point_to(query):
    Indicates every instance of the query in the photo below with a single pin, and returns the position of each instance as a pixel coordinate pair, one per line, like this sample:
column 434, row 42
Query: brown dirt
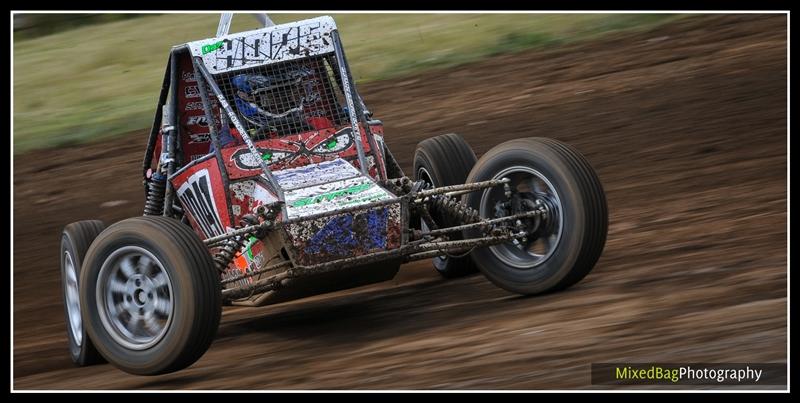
column 686, row 126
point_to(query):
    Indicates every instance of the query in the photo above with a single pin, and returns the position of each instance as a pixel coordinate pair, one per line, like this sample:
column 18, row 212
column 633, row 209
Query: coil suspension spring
column 224, row 256
column 227, row 251
column 156, row 187
column 452, row 209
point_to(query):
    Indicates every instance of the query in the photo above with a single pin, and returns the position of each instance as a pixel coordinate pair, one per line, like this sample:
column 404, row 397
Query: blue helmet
column 274, row 101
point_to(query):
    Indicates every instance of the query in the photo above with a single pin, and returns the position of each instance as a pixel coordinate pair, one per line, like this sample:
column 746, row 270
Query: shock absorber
column 154, row 203
column 454, row 210
column 227, row 251
column 157, row 184
column 224, row 256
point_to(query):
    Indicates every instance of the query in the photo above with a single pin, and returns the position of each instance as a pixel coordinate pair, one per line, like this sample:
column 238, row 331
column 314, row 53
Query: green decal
column 331, row 144
column 212, row 47
column 252, row 240
column 332, row 195
column 266, row 156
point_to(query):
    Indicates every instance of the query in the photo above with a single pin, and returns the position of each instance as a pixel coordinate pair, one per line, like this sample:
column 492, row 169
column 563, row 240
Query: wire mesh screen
column 286, row 98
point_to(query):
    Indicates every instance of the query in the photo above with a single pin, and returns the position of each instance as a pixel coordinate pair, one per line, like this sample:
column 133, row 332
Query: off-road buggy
column 267, row 179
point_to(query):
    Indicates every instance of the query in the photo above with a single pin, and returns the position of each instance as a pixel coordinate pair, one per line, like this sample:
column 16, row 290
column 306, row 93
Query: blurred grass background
column 102, row 79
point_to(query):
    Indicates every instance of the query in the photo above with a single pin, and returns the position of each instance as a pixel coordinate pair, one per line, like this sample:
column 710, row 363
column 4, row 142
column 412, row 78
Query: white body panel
column 274, row 44
column 326, row 187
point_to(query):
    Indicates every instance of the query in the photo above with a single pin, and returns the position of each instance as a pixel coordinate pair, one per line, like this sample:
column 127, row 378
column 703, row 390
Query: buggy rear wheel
column 75, row 241
column 151, row 295
column 566, row 242
column 443, row 161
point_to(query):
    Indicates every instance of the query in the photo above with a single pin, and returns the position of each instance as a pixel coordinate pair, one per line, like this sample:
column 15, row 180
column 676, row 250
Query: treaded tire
column 75, row 241
column 583, row 208
column 443, row 161
column 196, row 299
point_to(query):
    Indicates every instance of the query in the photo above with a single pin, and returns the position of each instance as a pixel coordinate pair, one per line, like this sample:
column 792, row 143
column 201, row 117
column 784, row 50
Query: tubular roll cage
column 170, row 130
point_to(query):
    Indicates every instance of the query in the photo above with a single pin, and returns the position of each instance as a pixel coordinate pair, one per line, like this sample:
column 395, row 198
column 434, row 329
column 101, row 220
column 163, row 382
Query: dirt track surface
column 686, row 126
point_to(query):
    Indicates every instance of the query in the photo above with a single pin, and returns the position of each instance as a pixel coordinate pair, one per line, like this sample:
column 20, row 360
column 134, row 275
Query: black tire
column 75, row 241
column 443, row 161
column 582, row 208
column 193, row 292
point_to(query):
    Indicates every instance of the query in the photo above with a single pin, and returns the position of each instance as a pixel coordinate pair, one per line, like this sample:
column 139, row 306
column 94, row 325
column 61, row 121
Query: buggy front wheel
column 151, row 295
column 563, row 245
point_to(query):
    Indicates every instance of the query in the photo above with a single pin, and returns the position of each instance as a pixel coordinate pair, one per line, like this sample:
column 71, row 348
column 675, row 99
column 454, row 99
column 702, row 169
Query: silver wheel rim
column 425, row 176
column 73, row 299
column 535, row 251
column 134, row 298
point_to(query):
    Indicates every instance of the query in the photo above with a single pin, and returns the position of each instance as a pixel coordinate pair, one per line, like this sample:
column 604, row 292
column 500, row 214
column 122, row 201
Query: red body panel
column 294, row 151
column 194, row 129
column 201, row 190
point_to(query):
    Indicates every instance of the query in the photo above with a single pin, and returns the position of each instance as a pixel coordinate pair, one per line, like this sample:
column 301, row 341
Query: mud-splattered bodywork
column 329, row 187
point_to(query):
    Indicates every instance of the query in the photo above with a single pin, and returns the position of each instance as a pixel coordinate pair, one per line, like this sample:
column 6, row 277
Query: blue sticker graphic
column 342, row 235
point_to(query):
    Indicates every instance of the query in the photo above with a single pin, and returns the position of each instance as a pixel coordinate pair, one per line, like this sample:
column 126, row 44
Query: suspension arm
column 479, row 224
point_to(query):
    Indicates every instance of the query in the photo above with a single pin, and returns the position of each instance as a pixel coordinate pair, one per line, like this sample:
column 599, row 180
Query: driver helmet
column 275, row 101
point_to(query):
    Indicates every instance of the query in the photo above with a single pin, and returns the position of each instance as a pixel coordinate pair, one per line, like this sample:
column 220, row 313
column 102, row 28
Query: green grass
column 102, row 80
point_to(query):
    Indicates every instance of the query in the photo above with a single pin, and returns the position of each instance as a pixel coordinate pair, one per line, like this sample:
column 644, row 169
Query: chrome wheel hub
column 134, row 298
column 530, row 184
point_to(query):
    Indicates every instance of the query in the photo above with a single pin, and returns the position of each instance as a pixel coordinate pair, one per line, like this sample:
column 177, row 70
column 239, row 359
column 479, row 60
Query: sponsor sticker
column 212, row 47
column 191, row 92
column 196, row 194
column 199, row 138
column 199, row 120
column 194, row 106
column 188, row 77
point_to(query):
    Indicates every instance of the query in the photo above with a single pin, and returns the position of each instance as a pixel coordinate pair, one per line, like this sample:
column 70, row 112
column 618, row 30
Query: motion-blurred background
column 683, row 116
column 81, row 76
